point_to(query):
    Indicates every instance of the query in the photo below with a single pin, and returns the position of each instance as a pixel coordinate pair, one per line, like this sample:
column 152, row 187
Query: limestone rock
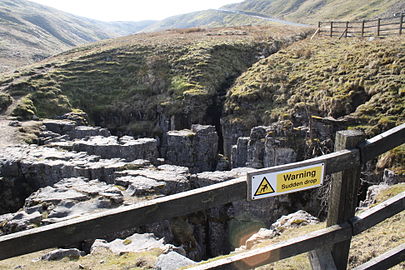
column 61, row 127
column 126, row 148
column 262, row 235
column 172, row 261
column 140, row 185
column 59, row 254
column 135, row 243
column 372, row 193
column 81, row 132
column 196, row 148
column 391, row 178
column 208, row 178
column 297, row 219
column 239, row 154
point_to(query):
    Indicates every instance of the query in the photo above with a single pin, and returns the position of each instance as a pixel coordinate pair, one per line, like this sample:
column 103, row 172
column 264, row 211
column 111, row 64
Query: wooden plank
column 388, row 24
column 262, row 256
column 321, row 259
column 316, row 32
column 334, row 162
column 343, row 196
column 382, row 143
column 386, row 260
column 100, row 224
column 379, row 213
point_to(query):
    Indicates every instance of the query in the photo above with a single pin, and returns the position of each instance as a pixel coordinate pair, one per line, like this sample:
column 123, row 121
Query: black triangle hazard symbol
column 264, row 188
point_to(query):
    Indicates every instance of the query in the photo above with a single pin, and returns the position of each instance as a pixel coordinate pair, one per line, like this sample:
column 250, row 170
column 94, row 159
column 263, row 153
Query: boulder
column 297, row 219
column 59, row 254
column 135, row 243
column 172, row 261
column 262, row 235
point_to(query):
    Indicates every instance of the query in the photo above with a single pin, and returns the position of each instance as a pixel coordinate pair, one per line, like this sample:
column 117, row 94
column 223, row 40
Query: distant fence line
column 380, row 27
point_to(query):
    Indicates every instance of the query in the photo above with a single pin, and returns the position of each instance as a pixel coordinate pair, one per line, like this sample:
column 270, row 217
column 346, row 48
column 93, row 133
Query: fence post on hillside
column 343, row 197
column 331, row 29
column 347, row 29
column 401, row 23
column 363, row 23
column 378, row 27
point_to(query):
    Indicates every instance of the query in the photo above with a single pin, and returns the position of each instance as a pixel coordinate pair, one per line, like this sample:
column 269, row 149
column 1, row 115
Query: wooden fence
column 380, row 27
column 351, row 152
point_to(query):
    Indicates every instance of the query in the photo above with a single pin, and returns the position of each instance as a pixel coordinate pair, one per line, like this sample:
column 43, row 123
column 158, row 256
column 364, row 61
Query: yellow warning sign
column 264, row 188
column 299, row 179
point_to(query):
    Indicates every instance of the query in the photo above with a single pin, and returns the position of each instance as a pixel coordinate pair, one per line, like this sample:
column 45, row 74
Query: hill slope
column 132, row 84
column 311, row 11
column 205, row 18
column 30, row 32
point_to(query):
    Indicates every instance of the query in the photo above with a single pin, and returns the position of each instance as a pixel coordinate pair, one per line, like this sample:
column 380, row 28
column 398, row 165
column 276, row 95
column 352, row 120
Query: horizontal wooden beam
column 379, row 213
column 334, row 162
column 382, row 143
column 115, row 220
column 386, row 260
column 265, row 255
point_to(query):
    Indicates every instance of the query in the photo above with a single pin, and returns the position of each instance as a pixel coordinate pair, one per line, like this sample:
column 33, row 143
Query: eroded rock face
column 126, row 147
column 196, row 148
column 266, row 147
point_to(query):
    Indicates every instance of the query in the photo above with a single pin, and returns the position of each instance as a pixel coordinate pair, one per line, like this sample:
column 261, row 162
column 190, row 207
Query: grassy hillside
column 361, row 82
column 30, row 32
column 135, row 84
column 205, row 18
column 311, row 11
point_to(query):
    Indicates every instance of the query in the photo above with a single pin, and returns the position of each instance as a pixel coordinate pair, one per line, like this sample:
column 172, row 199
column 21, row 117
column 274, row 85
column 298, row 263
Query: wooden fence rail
column 311, row 241
column 380, row 27
column 101, row 224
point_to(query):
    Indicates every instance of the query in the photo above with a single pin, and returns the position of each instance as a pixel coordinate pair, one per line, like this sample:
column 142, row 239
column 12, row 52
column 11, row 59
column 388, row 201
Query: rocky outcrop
column 293, row 220
column 126, row 147
column 172, row 261
column 267, row 146
column 196, row 148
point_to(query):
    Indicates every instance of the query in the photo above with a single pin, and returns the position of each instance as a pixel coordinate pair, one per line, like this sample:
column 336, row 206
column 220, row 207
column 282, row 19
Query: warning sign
column 264, row 188
column 284, row 179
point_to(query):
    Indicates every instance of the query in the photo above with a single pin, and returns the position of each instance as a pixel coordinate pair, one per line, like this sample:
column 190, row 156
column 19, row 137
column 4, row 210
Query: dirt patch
column 10, row 135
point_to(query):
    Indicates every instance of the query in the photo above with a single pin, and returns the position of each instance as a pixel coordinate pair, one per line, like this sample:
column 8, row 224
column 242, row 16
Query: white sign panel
column 274, row 182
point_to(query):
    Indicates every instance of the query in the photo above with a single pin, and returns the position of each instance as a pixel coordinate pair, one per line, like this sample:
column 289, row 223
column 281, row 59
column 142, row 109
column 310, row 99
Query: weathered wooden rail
column 314, row 240
column 101, row 224
column 380, row 27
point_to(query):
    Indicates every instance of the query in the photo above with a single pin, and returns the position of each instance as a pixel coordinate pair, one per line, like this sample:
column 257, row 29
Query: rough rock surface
column 372, row 193
column 59, row 254
column 266, row 147
column 196, row 148
column 134, row 243
column 297, row 219
column 126, row 147
column 172, row 261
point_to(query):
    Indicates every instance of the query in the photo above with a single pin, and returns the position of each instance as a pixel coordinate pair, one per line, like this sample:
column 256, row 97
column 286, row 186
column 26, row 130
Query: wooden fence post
column 347, row 28
column 331, row 29
column 362, row 28
column 378, row 27
column 401, row 23
column 343, row 198
column 319, row 27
